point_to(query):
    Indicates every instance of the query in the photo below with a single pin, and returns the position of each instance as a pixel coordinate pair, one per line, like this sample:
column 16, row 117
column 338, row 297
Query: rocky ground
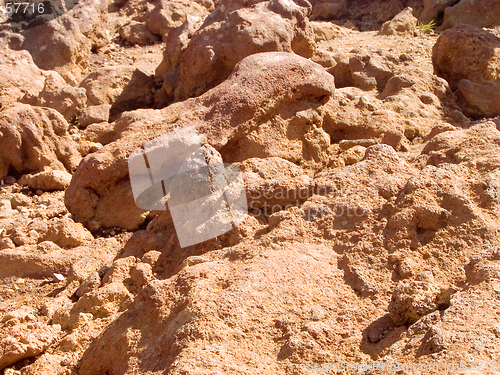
column 368, row 140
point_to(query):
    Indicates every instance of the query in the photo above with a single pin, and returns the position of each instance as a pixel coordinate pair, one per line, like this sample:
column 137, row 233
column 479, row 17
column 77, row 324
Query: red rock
column 137, row 33
column 481, row 13
column 236, row 30
column 467, row 52
column 284, row 81
column 34, row 138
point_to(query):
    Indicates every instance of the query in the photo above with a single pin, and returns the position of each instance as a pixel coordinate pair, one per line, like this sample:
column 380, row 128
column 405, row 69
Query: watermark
column 180, row 172
column 206, row 197
column 343, row 367
column 21, row 15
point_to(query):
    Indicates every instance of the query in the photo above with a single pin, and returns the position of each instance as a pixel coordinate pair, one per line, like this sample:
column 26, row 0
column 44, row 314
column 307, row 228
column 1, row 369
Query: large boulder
column 59, row 45
column 467, row 52
column 236, row 29
column 482, row 13
column 268, row 106
column 64, row 44
column 34, row 139
column 174, row 324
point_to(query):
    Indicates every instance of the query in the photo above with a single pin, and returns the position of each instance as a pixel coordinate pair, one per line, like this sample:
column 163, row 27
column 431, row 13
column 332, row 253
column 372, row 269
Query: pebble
column 317, row 314
column 10, row 180
column 39, row 192
column 66, row 362
column 59, row 277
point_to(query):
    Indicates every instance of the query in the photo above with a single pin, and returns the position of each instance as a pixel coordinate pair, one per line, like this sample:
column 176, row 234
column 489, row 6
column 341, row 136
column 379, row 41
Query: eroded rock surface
column 369, row 164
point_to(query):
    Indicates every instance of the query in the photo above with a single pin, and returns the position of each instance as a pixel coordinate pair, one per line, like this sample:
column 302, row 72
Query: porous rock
column 47, row 180
column 467, row 52
column 405, row 23
column 34, row 138
column 220, row 44
column 481, row 13
column 102, row 181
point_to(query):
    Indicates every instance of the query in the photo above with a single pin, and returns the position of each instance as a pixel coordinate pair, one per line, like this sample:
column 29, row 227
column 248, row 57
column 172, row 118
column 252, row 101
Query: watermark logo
column 206, row 197
column 21, row 15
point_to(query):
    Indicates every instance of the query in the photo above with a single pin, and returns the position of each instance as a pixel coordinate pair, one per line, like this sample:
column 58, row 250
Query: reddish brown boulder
column 34, row 138
column 482, row 13
column 22, row 81
column 290, row 86
column 59, row 45
column 237, row 29
column 467, row 52
column 479, row 99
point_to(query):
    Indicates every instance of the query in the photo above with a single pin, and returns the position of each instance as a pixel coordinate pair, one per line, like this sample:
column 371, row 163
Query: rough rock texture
column 25, row 340
column 19, row 76
column 137, row 33
column 59, row 45
column 67, row 100
column 22, row 80
column 433, row 8
column 227, row 113
column 467, row 52
column 34, row 138
column 168, row 15
column 374, row 202
column 93, row 114
column 47, row 180
column 404, row 23
column 221, row 43
column 124, row 88
column 64, row 44
column 482, row 13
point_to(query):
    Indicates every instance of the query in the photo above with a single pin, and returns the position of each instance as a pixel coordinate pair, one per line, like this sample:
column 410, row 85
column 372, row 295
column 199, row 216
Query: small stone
column 59, row 277
column 39, row 192
column 376, row 334
column 10, row 180
column 151, row 257
column 20, row 200
column 317, row 314
column 66, row 362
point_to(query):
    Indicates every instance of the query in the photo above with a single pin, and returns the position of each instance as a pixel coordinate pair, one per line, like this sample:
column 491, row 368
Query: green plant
column 426, row 26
